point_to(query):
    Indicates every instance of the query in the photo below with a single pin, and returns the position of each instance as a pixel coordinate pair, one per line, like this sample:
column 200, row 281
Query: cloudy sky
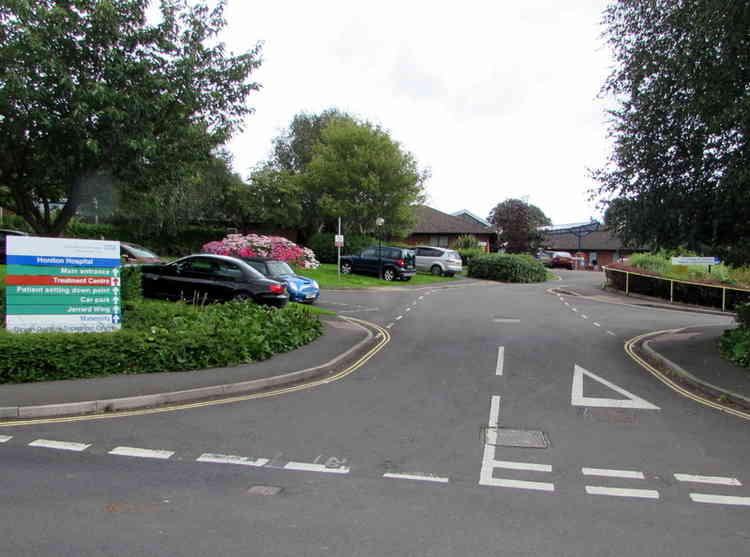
column 498, row 99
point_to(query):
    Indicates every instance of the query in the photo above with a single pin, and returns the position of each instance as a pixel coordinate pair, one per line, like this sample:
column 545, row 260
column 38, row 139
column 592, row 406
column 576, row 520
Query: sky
column 499, row 99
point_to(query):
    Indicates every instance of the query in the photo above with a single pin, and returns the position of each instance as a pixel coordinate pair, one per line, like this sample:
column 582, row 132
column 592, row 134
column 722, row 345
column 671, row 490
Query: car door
column 367, row 261
column 227, row 280
column 195, row 279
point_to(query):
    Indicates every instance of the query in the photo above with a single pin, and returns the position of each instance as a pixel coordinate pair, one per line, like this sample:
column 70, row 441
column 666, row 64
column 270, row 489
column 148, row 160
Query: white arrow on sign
column 631, row 400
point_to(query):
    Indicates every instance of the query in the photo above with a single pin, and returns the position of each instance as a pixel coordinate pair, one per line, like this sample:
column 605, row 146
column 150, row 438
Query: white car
column 438, row 261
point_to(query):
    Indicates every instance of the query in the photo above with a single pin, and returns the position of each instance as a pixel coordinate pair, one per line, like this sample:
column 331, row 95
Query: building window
column 439, row 241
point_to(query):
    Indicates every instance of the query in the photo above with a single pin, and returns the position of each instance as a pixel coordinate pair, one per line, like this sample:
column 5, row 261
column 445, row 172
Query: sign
column 62, row 284
column 695, row 261
column 338, row 241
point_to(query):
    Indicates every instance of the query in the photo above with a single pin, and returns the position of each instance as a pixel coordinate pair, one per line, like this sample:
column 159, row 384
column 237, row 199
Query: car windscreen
column 279, row 268
column 140, row 251
column 452, row 254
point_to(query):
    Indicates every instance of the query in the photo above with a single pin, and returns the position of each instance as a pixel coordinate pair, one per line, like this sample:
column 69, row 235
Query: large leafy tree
column 92, row 95
column 680, row 167
column 518, row 225
column 332, row 165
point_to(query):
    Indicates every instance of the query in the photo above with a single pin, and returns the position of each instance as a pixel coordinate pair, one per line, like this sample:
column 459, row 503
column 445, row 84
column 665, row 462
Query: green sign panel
column 62, row 310
column 36, row 270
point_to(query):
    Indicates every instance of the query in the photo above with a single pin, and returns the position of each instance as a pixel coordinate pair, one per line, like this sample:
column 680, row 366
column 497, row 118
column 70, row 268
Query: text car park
column 213, row 278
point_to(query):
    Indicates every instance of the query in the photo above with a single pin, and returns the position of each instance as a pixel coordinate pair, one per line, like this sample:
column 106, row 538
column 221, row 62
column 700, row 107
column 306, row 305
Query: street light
column 379, row 222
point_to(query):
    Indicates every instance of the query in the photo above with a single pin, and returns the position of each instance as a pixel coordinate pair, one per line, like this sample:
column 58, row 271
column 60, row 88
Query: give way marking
column 630, row 400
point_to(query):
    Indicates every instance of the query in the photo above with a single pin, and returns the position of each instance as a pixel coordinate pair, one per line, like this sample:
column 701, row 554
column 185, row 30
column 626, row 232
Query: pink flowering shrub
column 255, row 245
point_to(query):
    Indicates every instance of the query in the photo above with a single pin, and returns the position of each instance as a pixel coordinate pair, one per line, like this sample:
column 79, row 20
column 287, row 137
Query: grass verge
column 327, row 277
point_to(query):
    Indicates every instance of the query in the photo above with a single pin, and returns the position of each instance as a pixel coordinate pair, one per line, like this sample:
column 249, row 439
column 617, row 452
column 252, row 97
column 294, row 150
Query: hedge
column 322, row 244
column 734, row 345
column 507, row 268
column 159, row 336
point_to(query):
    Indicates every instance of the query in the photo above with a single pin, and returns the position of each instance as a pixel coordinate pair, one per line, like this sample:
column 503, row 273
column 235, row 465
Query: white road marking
column 399, row 317
column 308, row 467
column 414, row 303
column 489, row 463
column 577, row 398
column 420, row 298
column 519, row 484
column 620, row 492
column 407, row 309
column 505, row 320
column 5, row 438
column 389, row 325
column 585, row 316
column 574, row 309
column 61, row 445
column 512, row 465
column 500, row 360
column 232, row 459
column 611, row 333
column 720, row 499
column 567, row 304
column 141, row 453
column 418, row 477
column 596, row 324
column 718, row 480
column 633, row 474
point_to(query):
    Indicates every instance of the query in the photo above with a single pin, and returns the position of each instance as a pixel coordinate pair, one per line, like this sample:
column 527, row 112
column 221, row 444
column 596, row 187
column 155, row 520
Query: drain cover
column 264, row 490
column 527, row 438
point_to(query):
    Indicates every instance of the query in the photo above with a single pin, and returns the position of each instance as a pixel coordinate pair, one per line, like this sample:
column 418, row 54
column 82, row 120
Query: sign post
column 338, row 242
column 62, row 284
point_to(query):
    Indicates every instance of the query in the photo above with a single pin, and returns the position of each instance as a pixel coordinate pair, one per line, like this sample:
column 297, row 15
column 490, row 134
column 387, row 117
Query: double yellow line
column 383, row 337
column 671, row 384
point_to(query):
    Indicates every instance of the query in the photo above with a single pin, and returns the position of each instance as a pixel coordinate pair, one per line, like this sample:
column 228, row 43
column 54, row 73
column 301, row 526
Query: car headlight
column 315, row 284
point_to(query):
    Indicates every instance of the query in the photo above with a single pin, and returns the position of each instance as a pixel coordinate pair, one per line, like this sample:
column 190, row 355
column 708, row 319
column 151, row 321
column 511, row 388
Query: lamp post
column 379, row 222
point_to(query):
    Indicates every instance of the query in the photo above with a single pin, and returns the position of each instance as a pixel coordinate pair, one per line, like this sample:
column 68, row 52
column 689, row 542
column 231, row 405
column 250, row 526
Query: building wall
column 444, row 240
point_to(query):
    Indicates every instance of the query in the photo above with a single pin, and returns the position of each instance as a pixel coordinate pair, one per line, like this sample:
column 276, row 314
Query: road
column 416, row 453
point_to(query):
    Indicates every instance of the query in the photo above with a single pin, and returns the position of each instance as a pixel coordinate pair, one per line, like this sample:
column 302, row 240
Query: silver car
column 438, row 261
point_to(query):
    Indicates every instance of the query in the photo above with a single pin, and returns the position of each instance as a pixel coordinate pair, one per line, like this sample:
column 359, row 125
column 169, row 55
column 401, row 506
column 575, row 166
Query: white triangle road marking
column 630, row 401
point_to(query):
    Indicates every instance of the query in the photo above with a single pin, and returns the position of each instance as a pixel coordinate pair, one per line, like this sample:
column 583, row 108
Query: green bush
column 159, row 336
column 743, row 315
column 130, row 280
column 507, row 268
column 467, row 254
column 734, row 345
column 322, row 244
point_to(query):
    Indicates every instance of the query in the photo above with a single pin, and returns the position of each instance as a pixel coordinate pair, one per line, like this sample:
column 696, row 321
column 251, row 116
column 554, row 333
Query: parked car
column 301, row 289
column 396, row 263
column 4, row 233
column 545, row 258
column 562, row 259
column 438, row 261
column 133, row 253
column 213, row 277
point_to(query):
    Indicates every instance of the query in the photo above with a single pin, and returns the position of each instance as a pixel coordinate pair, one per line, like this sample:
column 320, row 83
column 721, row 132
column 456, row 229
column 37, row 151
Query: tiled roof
column 603, row 239
column 432, row 221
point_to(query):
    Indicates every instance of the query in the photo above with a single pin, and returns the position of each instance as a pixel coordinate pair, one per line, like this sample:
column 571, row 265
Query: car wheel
column 389, row 274
column 242, row 297
column 346, row 268
column 436, row 270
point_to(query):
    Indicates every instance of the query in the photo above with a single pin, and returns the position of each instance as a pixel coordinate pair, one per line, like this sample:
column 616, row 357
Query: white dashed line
column 619, row 492
column 308, row 467
column 611, row 333
column 399, row 317
column 389, row 325
column 574, row 309
column 420, row 298
column 5, row 438
column 585, row 316
column 717, row 480
column 141, row 453
column 500, row 360
column 596, row 324
column 408, row 309
column 60, row 445
column 567, row 304
column 633, row 474
column 231, row 459
column 720, row 499
column 418, row 477
column 505, row 320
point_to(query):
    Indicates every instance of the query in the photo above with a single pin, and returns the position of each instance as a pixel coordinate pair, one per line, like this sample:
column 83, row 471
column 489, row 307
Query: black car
column 395, row 263
column 4, row 233
column 213, row 277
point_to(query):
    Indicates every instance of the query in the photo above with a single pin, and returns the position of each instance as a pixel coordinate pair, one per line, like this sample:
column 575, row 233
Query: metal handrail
column 679, row 281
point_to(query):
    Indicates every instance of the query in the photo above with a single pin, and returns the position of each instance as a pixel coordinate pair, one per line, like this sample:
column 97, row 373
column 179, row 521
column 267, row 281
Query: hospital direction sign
column 62, row 284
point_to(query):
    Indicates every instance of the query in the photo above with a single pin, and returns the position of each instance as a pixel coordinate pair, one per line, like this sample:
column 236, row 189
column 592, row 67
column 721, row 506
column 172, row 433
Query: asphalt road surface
column 500, row 420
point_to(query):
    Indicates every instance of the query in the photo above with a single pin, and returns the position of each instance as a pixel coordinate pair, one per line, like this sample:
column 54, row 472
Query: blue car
column 300, row 289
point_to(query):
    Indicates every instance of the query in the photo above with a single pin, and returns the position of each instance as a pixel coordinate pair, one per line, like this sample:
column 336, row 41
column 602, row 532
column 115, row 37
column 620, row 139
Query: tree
column 332, row 165
column 518, row 225
column 680, row 164
column 92, row 95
